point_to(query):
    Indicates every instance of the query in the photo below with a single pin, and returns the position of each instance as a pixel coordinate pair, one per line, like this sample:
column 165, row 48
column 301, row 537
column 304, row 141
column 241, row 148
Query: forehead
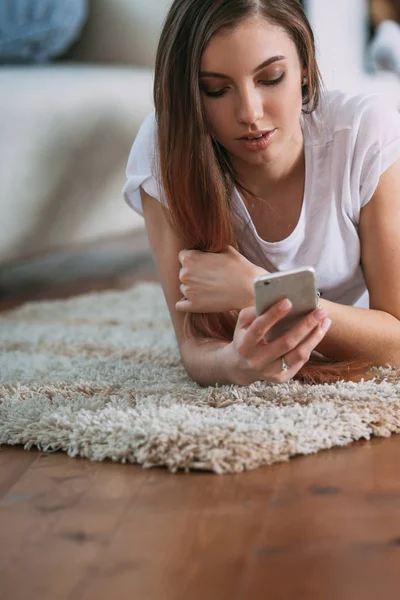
column 248, row 44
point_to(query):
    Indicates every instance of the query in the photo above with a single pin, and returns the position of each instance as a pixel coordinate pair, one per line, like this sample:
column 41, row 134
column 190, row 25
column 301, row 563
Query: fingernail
column 285, row 305
column 320, row 314
column 326, row 324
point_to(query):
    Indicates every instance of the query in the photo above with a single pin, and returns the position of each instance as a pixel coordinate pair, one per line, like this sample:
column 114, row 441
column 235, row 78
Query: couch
column 66, row 131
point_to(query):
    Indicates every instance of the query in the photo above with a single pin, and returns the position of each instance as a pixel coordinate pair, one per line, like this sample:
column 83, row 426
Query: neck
column 266, row 179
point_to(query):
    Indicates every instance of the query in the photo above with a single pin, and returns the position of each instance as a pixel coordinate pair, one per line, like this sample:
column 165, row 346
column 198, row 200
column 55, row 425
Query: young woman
column 246, row 167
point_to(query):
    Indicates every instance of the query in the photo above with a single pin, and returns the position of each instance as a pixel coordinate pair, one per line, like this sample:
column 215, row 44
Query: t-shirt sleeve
column 141, row 170
column 378, row 143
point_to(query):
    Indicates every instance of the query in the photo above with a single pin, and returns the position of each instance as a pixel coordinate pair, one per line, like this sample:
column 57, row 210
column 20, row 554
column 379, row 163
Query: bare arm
column 361, row 333
column 209, row 362
column 205, row 362
column 373, row 333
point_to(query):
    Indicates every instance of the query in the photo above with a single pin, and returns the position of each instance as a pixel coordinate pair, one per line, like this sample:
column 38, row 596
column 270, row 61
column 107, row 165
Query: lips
column 255, row 134
column 257, row 144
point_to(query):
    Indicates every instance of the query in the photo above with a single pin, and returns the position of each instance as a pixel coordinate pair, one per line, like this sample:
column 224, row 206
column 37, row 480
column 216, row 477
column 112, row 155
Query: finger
column 184, row 306
column 246, row 316
column 183, row 290
column 297, row 334
column 185, row 254
column 261, row 325
column 296, row 358
column 182, row 255
column 301, row 354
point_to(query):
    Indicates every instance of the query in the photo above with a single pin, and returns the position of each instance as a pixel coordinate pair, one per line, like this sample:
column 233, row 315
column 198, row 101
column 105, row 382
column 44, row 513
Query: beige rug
column 99, row 376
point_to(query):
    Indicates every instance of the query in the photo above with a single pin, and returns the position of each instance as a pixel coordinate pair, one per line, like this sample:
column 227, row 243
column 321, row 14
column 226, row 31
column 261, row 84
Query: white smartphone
column 298, row 285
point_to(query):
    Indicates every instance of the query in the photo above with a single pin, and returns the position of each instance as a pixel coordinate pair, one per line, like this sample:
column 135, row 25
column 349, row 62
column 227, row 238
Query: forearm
column 361, row 333
column 207, row 362
column 356, row 333
column 210, row 362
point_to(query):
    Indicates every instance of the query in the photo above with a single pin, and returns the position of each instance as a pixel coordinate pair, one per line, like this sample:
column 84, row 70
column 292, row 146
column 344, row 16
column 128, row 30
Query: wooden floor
column 324, row 527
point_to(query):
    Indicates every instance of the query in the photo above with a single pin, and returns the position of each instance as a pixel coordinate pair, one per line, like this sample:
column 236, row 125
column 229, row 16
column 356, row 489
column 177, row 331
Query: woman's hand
column 216, row 282
column 253, row 359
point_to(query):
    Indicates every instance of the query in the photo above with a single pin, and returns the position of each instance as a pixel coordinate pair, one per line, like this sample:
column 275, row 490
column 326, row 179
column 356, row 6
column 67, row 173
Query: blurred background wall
column 69, row 113
column 358, row 44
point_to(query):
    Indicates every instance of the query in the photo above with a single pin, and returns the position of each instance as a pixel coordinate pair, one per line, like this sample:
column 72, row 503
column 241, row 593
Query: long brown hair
column 194, row 169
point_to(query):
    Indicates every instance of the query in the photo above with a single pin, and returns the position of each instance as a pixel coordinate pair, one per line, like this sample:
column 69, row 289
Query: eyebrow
column 262, row 66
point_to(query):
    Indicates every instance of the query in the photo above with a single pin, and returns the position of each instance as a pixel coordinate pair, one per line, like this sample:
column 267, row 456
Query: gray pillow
column 35, row 31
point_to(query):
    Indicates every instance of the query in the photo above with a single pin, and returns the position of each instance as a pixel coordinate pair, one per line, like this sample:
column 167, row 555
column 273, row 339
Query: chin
column 260, row 158
column 252, row 158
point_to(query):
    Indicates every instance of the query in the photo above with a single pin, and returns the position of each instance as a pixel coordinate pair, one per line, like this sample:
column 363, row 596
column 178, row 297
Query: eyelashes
column 268, row 83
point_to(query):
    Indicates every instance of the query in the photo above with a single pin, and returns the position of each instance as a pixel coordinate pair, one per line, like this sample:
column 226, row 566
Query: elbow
column 390, row 354
column 187, row 351
column 205, row 361
column 392, row 350
column 393, row 359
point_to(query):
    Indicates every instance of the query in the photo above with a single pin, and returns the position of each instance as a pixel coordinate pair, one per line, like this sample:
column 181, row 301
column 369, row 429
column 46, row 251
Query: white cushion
column 122, row 31
column 66, row 132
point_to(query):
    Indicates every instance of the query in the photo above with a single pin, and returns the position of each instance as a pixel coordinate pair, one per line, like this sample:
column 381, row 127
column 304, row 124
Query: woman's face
column 250, row 99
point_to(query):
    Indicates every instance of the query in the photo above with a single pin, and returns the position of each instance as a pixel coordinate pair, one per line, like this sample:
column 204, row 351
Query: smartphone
column 298, row 285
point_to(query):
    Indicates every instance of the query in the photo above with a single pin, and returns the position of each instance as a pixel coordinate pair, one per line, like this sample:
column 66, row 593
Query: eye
column 219, row 93
column 271, row 82
column 214, row 94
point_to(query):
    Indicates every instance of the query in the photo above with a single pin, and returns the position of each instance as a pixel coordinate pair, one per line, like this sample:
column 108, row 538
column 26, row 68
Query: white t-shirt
column 349, row 142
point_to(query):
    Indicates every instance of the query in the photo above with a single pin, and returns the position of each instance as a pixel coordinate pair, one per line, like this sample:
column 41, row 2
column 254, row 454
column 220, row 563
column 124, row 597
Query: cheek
column 289, row 107
column 218, row 118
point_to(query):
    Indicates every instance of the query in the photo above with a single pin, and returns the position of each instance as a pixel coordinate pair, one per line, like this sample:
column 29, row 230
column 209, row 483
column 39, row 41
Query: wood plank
column 165, row 546
column 334, row 528
column 324, row 526
column 114, row 282
column 68, row 509
column 14, row 461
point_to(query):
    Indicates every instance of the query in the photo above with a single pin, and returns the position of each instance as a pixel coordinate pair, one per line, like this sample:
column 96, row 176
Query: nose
column 250, row 107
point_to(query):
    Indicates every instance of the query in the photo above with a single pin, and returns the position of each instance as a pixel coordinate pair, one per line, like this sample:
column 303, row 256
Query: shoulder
column 142, row 169
column 342, row 107
column 367, row 116
column 150, row 122
column 147, row 130
column 144, row 154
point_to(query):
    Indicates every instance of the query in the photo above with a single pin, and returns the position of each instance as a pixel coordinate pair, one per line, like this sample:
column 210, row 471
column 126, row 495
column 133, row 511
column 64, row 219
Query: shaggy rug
column 99, row 376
